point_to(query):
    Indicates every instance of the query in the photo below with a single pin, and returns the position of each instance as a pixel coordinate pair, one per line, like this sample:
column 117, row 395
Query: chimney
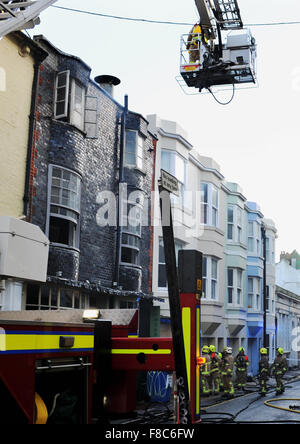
column 107, row 83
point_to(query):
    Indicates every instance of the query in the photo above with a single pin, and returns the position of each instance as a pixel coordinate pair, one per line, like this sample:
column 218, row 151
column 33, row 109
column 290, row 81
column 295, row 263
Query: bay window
column 254, row 293
column 131, row 219
column 209, row 204
column 254, row 238
column 162, row 273
column 63, row 207
column 235, row 286
column 175, row 165
column 210, row 278
column 134, row 149
column 234, row 223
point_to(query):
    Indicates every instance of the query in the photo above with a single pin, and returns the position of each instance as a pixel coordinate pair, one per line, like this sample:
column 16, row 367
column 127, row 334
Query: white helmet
column 229, row 350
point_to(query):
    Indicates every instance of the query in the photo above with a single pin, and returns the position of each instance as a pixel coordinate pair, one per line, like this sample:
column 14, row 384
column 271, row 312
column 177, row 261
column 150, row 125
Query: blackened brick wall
column 97, row 162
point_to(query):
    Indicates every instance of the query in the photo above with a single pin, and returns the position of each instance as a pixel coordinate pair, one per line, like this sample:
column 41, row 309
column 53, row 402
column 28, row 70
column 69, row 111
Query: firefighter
column 241, row 363
column 226, row 367
column 205, row 371
column 264, row 371
column 195, row 39
column 279, row 368
column 214, row 379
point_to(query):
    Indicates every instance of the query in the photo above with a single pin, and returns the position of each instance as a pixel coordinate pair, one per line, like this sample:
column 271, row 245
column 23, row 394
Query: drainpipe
column 263, row 233
column 34, row 93
column 121, row 181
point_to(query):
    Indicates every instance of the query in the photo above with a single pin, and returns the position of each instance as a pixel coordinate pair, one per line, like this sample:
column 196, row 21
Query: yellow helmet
column 205, row 349
column 263, row 351
column 280, row 350
column 212, row 348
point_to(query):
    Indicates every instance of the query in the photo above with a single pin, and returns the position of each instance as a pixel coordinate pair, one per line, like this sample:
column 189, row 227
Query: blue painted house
column 254, row 284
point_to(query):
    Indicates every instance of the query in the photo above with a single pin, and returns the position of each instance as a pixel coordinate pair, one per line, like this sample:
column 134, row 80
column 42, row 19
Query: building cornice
column 175, row 136
column 282, row 291
column 233, row 193
column 205, row 168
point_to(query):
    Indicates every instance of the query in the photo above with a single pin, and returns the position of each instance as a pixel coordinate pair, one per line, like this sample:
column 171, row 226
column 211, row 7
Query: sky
column 255, row 139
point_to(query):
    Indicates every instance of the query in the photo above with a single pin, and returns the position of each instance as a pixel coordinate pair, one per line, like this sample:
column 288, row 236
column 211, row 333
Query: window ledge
column 213, row 228
column 66, row 247
column 70, row 126
column 206, row 301
column 236, row 244
column 136, row 169
column 125, row 264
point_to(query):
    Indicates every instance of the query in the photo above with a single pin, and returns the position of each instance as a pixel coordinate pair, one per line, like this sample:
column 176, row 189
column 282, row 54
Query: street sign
column 169, row 183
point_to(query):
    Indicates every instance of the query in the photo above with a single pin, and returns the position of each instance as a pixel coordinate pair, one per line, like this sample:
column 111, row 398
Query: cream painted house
column 199, row 223
column 18, row 57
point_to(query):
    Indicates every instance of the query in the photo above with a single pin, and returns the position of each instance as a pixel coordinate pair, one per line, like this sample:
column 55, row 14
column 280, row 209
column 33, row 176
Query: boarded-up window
column 91, row 117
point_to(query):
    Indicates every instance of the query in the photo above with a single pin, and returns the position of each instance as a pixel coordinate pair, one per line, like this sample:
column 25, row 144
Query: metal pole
column 263, row 233
column 175, row 309
column 120, row 182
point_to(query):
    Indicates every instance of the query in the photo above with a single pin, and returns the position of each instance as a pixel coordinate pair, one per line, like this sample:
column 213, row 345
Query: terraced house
column 89, row 149
column 214, row 217
column 20, row 58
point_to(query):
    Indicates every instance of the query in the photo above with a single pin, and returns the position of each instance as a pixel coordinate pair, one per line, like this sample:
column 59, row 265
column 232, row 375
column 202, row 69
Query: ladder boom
column 16, row 15
column 228, row 14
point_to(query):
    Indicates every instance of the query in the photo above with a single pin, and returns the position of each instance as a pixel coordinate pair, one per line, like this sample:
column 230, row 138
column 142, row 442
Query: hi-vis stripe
column 197, row 366
column 136, row 351
column 186, row 326
column 15, row 342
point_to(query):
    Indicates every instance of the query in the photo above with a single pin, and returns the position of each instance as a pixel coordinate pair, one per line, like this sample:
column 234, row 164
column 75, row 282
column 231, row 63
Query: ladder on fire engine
column 20, row 14
column 228, row 14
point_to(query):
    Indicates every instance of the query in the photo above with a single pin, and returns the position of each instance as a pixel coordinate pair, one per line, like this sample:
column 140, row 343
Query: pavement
column 245, row 407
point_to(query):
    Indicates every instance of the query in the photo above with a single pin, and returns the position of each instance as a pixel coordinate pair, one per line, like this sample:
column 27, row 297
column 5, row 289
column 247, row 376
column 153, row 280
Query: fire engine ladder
column 228, row 14
column 20, row 14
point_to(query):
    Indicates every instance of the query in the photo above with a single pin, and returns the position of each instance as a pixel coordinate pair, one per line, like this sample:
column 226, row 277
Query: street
column 251, row 408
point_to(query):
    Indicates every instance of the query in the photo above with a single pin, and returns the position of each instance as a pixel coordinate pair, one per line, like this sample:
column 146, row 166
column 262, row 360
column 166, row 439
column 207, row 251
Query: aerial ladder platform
column 223, row 54
column 20, row 14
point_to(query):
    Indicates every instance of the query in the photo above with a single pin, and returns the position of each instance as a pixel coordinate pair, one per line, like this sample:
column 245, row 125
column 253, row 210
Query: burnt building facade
column 91, row 180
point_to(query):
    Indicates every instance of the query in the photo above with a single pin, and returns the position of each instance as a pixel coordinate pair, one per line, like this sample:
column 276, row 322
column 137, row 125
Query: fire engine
column 75, row 367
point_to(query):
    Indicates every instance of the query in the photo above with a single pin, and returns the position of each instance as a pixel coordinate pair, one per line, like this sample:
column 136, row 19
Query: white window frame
column 69, row 100
column 73, row 213
column 73, row 111
column 255, row 294
column 230, row 286
column 239, row 224
column 236, row 224
column 270, row 250
column 230, row 223
column 210, row 282
column 131, row 220
column 236, row 289
column 211, row 209
column 66, row 97
column 178, row 246
column 138, row 153
column 255, row 236
column 172, row 169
